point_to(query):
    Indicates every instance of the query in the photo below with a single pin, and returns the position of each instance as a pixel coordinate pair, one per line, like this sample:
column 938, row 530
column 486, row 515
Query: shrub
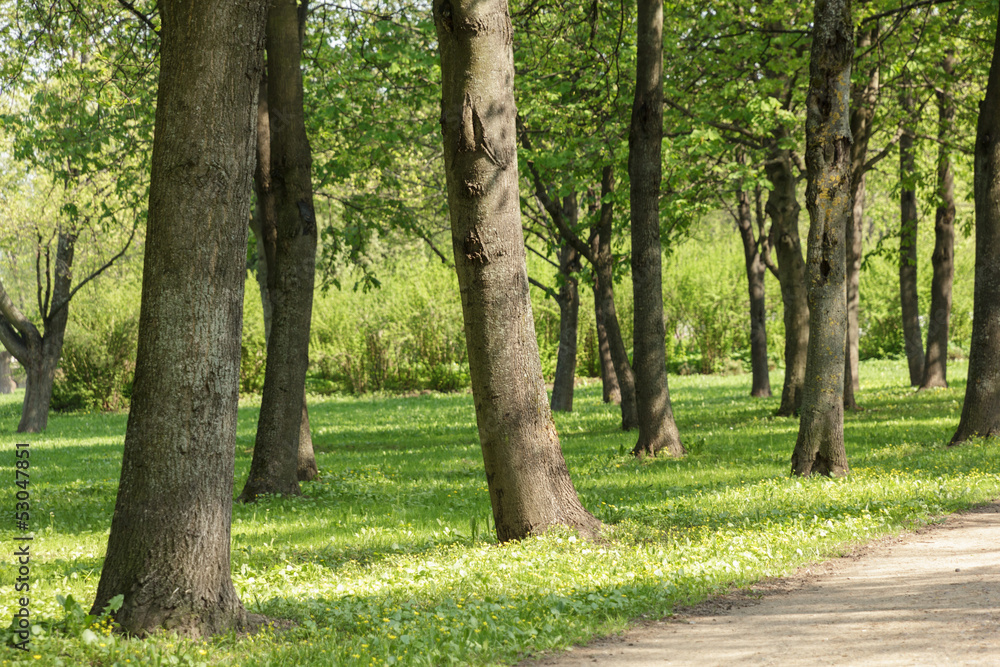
column 403, row 336
column 98, row 364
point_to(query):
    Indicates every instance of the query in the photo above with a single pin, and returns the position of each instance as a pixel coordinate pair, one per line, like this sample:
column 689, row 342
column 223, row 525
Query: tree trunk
column 529, row 483
column 783, row 208
column 38, row 392
column 290, row 252
column 569, row 308
column 611, row 392
column 168, row 551
column 605, row 293
column 42, row 363
column 264, row 210
column 913, row 341
column 306, row 469
column 756, row 270
column 7, row 384
column 981, row 410
column 863, row 103
column 657, row 429
column 820, row 444
column 943, row 259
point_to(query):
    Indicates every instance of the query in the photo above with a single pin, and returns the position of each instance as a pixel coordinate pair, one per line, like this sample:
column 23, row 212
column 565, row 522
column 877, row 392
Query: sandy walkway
column 926, row 598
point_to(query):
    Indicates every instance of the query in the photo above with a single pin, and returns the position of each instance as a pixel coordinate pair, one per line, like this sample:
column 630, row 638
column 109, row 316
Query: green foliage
column 97, row 368
column 253, row 344
column 388, row 558
column 406, row 335
column 98, row 358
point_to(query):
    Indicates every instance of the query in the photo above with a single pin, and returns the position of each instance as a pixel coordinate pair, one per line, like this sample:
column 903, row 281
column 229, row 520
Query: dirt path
column 926, row 598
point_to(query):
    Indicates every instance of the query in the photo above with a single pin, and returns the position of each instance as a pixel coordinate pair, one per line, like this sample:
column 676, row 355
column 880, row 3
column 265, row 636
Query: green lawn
column 389, row 558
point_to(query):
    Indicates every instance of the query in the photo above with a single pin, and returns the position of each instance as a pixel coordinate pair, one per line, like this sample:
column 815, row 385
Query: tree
column 943, row 259
column 820, row 444
column 754, row 259
column 289, row 250
column 864, row 97
column 264, row 215
column 529, row 483
column 39, row 351
column 84, row 140
column 910, row 307
column 981, row 409
column 168, row 551
column 657, row 429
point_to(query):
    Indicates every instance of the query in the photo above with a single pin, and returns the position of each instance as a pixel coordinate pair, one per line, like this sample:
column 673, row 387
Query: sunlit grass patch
column 389, row 557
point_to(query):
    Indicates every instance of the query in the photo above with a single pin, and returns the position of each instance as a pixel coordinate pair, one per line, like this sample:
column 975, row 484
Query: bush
column 406, row 335
column 97, row 366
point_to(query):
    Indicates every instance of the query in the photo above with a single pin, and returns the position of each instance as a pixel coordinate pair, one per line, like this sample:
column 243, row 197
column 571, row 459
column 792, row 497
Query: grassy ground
column 389, row 558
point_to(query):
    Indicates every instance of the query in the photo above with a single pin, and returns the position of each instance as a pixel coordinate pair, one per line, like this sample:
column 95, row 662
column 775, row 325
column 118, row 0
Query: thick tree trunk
column 913, row 341
column 863, row 103
column 657, row 429
column 529, row 483
column 783, row 208
column 610, row 391
column 756, row 270
column 290, row 252
column 168, row 551
column 820, row 444
column 7, row 384
column 569, row 310
column 981, row 410
column 943, row 259
column 605, row 294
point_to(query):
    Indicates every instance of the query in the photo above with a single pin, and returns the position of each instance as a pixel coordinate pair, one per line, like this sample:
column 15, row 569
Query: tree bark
column 909, row 304
column 756, row 270
column 604, row 286
column 610, row 391
column 529, row 483
column 39, row 352
column 264, row 211
column 863, row 103
column 168, row 551
column 943, row 259
column 290, row 253
column 783, row 208
column 820, row 444
column 569, row 309
column 7, row 384
column 657, row 429
column 981, row 410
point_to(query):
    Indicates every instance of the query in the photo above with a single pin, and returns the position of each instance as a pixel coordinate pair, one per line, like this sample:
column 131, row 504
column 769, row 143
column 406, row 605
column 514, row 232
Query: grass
column 389, row 558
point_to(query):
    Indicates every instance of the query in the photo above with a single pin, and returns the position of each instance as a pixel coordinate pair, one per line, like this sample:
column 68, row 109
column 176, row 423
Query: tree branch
column 541, row 255
column 139, row 15
column 62, row 304
column 901, row 10
column 548, row 290
column 17, row 333
column 554, row 212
